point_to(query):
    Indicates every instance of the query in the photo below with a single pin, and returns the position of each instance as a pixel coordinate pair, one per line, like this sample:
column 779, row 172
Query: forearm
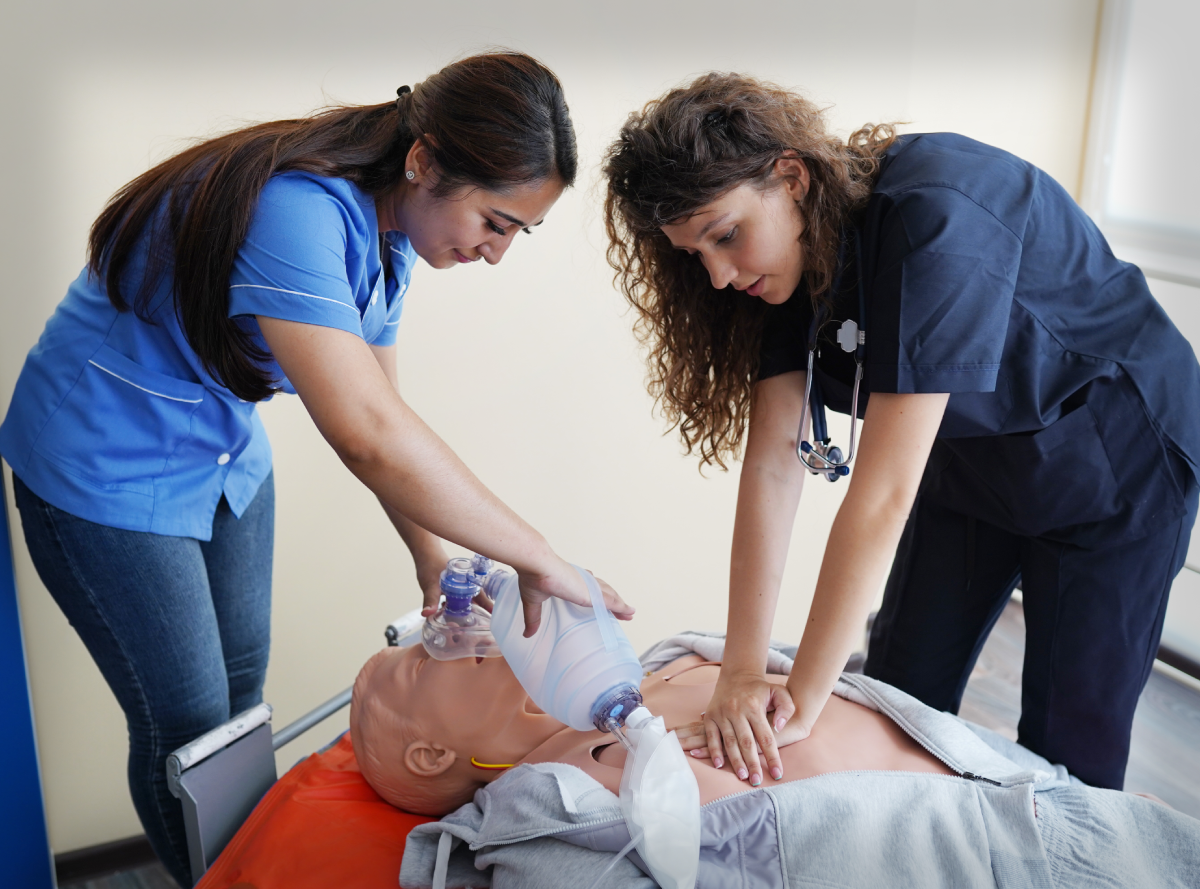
column 861, row 544
column 898, row 432
column 428, row 553
column 766, row 512
column 349, row 390
column 418, row 477
column 769, row 492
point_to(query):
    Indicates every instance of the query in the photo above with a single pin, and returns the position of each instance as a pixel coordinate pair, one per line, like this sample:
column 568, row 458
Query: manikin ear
column 427, row 760
column 793, row 175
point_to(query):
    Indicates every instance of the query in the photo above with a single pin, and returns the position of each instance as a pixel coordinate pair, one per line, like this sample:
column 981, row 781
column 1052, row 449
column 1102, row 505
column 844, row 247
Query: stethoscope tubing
column 817, row 455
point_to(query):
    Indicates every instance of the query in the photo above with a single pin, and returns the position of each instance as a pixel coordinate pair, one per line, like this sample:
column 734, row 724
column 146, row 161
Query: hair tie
column 401, row 92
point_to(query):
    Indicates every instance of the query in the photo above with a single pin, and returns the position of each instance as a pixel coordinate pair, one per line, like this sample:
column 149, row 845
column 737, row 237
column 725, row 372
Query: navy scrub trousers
column 1093, row 618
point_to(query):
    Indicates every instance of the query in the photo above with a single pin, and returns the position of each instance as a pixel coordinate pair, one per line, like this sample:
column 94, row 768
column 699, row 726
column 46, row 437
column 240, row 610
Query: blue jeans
column 179, row 628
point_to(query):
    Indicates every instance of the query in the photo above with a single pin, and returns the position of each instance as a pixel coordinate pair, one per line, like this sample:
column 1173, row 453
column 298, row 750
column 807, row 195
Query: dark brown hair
column 490, row 121
column 678, row 154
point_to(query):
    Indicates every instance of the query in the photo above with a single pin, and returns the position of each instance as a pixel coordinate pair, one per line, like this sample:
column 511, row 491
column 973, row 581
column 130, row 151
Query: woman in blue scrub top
column 1028, row 409
column 275, row 258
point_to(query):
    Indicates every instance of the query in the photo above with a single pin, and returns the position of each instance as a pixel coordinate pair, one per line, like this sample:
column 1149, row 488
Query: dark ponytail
column 493, row 121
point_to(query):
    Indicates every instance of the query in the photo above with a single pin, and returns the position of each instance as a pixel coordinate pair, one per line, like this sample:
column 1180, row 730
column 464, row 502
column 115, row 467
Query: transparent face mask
column 461, row 628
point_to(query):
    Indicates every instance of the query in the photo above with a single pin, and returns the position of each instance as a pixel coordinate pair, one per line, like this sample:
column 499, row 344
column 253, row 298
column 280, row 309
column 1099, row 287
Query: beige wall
column 528, row 369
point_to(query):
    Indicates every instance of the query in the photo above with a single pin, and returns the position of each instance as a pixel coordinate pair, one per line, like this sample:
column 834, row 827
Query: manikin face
column 461, row 703
column 417, row 722
column 467, row 226
column 750, row 236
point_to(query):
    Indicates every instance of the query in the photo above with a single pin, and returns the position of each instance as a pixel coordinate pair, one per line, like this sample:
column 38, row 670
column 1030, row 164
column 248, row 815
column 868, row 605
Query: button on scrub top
column 116, row 421
column 1068, row 383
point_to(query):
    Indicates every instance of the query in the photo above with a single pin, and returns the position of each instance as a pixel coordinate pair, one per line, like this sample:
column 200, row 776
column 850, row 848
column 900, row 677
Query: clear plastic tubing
column 579, row 666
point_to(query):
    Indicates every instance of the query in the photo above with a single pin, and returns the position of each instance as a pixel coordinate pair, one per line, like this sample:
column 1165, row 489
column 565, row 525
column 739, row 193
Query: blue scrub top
column 1069, row 384
column 115, row 420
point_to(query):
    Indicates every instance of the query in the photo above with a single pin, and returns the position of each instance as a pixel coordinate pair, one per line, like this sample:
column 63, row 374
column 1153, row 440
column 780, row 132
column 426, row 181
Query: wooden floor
column 1165, row 758
column 1165, row 754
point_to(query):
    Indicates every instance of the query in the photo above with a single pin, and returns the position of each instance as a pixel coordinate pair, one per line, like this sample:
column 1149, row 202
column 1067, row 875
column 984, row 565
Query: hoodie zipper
column 903, row 723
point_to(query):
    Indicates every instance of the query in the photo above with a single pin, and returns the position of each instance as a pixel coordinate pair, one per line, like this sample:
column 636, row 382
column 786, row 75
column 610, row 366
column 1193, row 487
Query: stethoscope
column 821, row 456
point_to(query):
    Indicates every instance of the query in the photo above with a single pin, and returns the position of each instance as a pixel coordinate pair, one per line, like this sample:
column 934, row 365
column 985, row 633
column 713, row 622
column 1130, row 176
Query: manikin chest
column 847, row 737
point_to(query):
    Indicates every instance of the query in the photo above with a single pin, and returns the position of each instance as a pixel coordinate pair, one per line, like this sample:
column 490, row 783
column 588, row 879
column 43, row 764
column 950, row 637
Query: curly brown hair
column 678, row 154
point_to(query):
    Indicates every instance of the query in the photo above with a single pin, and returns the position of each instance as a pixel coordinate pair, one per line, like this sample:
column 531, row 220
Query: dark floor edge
column 1179, row 661
column 106, row 859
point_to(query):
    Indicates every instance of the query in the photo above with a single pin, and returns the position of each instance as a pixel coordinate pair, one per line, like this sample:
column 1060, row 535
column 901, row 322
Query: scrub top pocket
column 120, row 423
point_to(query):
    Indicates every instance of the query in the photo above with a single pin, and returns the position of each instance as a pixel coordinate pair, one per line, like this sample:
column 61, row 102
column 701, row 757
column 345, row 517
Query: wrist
column 536, row 558
column 429, row 563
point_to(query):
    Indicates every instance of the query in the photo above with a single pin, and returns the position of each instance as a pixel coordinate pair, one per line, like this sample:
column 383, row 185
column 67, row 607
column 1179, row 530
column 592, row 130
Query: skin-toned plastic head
column 417, row 722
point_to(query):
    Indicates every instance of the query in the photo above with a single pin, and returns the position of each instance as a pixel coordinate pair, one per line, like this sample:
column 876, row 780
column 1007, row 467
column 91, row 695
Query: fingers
column 783, row 705
column 533, row 615
column 734, row 750
column 715, row 748
column 613, row 602
column 748, row 742
column 692, row 738
column 770, row 750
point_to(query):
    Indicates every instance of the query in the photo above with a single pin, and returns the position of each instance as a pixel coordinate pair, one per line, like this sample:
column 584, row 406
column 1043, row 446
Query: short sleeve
column 293, row 264
column 402, row 258
column 941, row 294
column 785, row 336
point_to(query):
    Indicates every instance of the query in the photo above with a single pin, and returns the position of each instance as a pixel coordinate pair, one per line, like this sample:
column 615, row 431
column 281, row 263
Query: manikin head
column 416, row 724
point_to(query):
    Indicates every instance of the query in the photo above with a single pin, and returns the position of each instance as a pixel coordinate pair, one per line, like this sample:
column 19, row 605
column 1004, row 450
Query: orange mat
column 320, row 826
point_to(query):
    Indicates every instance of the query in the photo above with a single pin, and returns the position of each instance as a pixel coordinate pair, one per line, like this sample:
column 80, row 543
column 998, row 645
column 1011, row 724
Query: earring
column 410, row 175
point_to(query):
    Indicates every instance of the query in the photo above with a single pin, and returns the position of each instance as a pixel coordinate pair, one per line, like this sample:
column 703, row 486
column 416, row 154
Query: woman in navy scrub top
column 275, row 258
column 1028, row 409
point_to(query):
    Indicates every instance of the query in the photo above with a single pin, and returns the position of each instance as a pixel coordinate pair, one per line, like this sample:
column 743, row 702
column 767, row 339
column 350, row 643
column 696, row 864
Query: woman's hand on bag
column 562, row 581
column 742, row 723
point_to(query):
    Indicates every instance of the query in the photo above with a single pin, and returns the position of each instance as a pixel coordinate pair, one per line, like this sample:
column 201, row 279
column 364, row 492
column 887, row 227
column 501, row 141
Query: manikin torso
column 847, row 737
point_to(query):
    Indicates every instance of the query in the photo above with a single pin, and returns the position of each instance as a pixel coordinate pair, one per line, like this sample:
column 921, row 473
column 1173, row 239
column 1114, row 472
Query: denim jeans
column 180, row 629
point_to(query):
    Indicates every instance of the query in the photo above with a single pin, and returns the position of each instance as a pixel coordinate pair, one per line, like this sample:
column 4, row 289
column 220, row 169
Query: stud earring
column 410, row 175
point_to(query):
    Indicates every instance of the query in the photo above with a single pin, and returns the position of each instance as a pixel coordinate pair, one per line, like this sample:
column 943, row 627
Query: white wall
column 93, row 93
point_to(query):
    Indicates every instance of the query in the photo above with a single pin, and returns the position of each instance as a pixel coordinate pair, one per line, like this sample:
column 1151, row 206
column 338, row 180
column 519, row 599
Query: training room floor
column 1165, row 759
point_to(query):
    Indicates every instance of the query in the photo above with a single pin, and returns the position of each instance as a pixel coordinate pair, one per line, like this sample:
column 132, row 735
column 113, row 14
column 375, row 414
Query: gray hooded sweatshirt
column 1007, row 818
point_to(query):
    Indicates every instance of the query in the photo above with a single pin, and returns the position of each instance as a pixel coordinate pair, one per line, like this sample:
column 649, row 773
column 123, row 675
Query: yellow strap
column 489, row 765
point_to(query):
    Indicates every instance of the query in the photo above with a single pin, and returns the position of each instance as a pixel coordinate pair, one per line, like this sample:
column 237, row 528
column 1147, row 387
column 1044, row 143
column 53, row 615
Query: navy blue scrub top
column 1068, row 383
column 115, row 420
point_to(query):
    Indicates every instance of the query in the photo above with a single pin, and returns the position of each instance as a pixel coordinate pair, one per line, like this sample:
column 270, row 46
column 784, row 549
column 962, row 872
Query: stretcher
column 319, row 825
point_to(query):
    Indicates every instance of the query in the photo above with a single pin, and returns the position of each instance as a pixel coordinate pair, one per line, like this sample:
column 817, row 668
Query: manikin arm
column 391, row 450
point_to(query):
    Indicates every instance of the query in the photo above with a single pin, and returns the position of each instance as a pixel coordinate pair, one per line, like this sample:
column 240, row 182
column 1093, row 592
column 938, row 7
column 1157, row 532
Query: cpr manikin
column 581, row 671
column 417, row 724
